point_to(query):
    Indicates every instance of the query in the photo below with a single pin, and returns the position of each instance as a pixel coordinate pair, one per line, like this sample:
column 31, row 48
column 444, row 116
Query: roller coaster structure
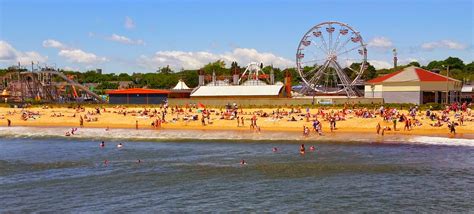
column 46, row 85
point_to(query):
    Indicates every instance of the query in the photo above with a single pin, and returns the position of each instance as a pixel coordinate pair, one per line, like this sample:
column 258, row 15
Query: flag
column 200, row 105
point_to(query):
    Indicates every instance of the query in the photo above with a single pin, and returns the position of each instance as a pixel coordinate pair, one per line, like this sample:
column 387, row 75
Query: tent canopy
column 181, row 85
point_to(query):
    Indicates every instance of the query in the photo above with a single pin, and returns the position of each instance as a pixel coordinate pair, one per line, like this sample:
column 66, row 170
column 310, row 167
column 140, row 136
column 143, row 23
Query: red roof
column 384, row 77
column 138, row 91
column 412, row 74
column 425, row 75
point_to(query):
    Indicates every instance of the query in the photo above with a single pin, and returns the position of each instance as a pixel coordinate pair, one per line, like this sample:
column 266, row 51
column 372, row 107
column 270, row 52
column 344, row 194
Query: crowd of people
column 311, row 119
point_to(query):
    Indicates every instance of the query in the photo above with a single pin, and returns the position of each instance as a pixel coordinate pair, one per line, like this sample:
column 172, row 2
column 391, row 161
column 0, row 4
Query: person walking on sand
column 136, row 124
column 81, row 122
column 452, row 128
column 9, row 122
column 394, row 124
column 238, row 121
column 378, row 128
column 407, row 125
column 242, row 121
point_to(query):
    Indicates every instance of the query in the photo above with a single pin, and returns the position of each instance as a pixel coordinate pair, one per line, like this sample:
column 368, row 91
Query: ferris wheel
column 325, row 55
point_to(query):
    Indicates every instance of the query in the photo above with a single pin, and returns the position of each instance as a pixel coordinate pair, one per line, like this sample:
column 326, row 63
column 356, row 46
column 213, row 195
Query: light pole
column 447, row 83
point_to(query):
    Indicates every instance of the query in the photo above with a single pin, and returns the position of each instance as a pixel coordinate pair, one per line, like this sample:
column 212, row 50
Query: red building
column 138, row 96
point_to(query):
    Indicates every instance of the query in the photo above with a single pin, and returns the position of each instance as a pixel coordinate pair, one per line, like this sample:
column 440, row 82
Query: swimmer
column 120, row 145
column 107, row 129
column 139, row 161
column 106, row 162
column 242, row 162
column 275, row 149
column 102, row 145
column 302, row 149
column 68, row 134
column 312, row 148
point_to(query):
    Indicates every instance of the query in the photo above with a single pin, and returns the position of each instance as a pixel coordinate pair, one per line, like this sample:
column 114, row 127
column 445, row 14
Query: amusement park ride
column 252, row 75
column 44, row 85
column 324, row 56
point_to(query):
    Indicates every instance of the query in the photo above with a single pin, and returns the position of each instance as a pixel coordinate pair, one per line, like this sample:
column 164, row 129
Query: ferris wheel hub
column 332, row 57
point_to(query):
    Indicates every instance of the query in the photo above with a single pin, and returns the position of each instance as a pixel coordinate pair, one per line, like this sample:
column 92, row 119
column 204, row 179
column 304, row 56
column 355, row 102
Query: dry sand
column 114, row 120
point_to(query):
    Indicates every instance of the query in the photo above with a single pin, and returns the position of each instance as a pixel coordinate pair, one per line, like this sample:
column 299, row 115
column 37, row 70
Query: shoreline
column 170, row 135
column 326, row 131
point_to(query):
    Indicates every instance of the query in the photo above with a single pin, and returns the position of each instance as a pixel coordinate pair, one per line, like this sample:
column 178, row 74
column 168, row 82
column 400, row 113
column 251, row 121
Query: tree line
column 165, row 77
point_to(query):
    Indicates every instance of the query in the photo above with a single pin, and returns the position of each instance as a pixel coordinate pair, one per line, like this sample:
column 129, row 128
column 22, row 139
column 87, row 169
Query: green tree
column 454, row 63
column 165, row 70
column 217, row 66
column 414, row 63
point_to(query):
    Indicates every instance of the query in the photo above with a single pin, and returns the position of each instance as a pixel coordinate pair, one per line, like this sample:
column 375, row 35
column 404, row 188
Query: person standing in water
column 302, row 149
column 102, row 145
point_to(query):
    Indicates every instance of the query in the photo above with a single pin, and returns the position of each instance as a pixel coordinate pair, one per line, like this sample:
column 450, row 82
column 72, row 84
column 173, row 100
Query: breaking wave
column 207, row 135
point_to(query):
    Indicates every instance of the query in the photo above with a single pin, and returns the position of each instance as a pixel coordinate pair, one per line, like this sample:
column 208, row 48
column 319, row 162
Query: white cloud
column 68, row 68
column 380, row 42
column 129, row 23
column 73, row 54
column 51, row 43
column 125, row 40
column 195, row 60
column 9, row 54
column 444, row 44
column 79, row 56
column 380, row 64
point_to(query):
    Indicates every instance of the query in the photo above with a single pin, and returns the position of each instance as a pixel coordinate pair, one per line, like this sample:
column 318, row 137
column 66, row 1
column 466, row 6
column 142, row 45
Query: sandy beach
column 286, row 120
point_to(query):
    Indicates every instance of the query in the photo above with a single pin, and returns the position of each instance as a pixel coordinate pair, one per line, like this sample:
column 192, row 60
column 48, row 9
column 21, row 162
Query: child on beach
column 305, row 131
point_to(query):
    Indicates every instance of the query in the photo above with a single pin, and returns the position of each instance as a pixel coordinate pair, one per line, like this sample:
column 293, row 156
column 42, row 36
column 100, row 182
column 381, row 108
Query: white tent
column 181, row 86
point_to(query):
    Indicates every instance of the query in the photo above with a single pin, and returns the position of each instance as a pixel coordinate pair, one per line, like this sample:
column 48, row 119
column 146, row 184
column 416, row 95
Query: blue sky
column 141, row 36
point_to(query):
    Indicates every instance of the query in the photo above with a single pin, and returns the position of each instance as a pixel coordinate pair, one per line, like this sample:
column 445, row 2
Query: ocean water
column 43, row 173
